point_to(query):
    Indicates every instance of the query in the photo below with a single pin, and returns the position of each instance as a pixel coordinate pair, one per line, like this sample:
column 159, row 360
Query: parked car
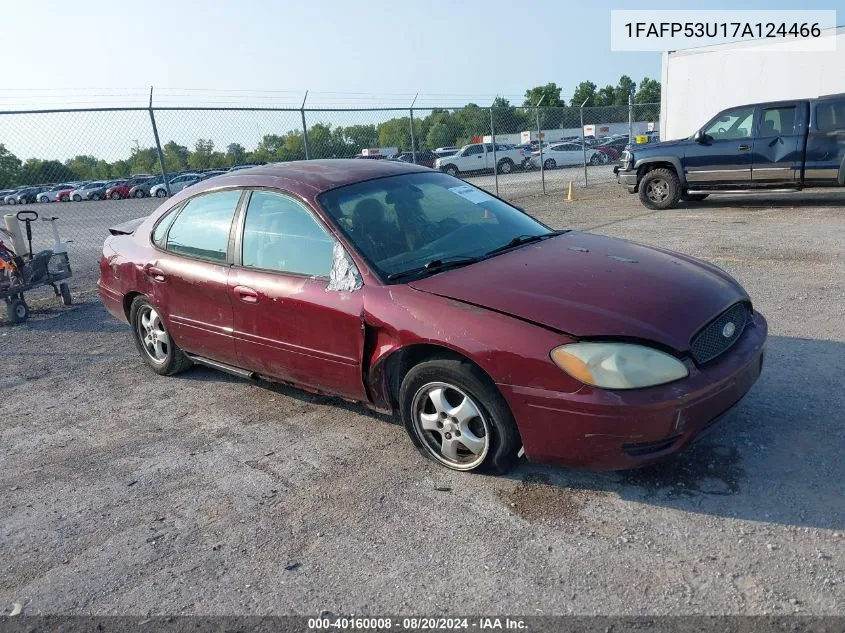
column 28, row 195
column 426, row 159
column 142, row 189
column 64, row 194
column 52, row 194
column 120, row 191
column 793, row 145
column 562, row 154
column 205, row 175
column 417, row 293
column 8, row 193
column 93, row 190
column 176, row 184
column 450, row 149
column 246, row 166
column 478, row 157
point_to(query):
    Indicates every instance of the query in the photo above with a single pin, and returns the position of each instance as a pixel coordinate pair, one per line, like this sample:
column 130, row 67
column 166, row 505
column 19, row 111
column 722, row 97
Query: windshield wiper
column 521, row 240
column 435, row 266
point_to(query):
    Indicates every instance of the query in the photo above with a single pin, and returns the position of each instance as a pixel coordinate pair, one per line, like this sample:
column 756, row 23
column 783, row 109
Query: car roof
column 322, row 175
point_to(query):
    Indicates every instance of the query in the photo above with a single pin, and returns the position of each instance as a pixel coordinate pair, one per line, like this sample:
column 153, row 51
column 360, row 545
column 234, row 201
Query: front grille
column 712, row 340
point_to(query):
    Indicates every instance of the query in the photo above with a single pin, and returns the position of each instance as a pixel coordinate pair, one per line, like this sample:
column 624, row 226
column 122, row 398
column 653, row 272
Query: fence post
column 630, row 120
column 304, row 127
column 540, row 144
column 411, row 123
column 495, row 158
column 584, row 142
column 158, row 145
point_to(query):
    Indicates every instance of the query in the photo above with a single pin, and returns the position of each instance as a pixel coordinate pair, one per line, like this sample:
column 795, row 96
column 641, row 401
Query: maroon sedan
column 417, row 293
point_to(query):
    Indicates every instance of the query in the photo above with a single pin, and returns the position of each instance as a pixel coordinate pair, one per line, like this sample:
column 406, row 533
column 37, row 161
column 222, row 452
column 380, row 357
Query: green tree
column 649, row 91
column 440, row 135
column 204, row 156
column 360, row 136
column 175, row 156
column 10, row 166
column 550, row 92
column 235, row 153
column 84, row 166
column 586, row 91
column 624, row 88
column 395, row 133
column 606, row 96
column 36, row 171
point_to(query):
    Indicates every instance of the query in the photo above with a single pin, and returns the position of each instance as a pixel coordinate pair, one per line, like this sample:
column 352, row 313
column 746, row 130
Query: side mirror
column 700, row 137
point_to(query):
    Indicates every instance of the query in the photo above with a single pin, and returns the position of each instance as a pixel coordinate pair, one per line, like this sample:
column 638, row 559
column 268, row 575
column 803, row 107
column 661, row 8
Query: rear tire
column 77, row 198
column 115, row 196
column 505, row 166
column 17, row 310
column 455, row 416
column 157, row 348
column 660, row 189
column 96, row 196
column 139, row 193
column 64, row 291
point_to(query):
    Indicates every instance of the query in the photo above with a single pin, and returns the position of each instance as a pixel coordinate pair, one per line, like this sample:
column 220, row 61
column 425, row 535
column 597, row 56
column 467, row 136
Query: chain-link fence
column 95, row 157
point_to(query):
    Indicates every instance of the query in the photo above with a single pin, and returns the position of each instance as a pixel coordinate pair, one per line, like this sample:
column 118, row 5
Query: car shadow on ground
column 815, row 199
column 776, row 457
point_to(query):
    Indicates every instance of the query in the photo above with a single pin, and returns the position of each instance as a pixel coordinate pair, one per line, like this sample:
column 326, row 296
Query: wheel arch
column 386, row 374
column 657, row 162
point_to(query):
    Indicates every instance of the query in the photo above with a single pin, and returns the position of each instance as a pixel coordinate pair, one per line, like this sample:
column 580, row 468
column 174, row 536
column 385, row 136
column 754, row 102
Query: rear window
column 830, row 115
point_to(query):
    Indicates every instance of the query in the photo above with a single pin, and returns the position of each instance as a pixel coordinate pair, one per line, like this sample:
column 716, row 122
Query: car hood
column 589, row 285
column 658, row 146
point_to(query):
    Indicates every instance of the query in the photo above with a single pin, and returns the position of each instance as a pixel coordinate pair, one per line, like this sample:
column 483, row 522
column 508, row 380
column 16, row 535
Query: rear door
column 189, row 274
column 724, row 155
column 287, row 324
column 778, row 153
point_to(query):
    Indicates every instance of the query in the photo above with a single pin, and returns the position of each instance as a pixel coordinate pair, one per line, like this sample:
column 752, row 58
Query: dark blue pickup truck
column 780, row 146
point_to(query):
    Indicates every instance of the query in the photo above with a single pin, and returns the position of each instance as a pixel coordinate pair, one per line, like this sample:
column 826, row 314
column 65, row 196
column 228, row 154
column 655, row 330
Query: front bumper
column 626, row 177
column 615, row 430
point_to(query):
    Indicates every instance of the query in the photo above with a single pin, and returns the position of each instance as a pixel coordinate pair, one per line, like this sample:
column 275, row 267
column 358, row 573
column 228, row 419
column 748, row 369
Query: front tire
column 139, row 193
column 455, row 416
column 64, row 292
column 153, row 341
column 549, row 163
column 161, row 193
column 660, row 189
column 115, row 196
column 77, row 198
column 96, row 196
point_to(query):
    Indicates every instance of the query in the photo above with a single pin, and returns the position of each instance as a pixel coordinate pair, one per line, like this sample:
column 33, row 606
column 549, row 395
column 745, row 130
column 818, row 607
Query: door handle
column 156, row 274
column 246, row 294
column 744, row 147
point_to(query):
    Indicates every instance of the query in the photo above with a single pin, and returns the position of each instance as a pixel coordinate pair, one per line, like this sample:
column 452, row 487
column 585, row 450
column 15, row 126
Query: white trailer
column 697, row 83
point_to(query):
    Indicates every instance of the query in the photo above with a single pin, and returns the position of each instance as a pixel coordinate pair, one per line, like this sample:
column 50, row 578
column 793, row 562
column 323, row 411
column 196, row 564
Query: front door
column 287, row 325
column 723, row 157
column 474, row 158
column 189, row 275
column 778, row 151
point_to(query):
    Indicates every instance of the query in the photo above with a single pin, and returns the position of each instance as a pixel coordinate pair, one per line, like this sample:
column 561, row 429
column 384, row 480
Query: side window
column 830, row 116
column 732, row 125
column 160, row 230
column 281, row 234
column 474, row 149
column 202, row 228
column 777, row 121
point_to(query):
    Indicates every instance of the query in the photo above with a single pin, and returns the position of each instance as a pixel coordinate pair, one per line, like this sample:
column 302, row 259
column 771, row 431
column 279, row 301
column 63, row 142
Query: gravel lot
column 125, row 492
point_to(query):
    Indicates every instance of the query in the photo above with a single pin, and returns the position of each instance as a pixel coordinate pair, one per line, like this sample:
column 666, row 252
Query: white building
column 697, row 83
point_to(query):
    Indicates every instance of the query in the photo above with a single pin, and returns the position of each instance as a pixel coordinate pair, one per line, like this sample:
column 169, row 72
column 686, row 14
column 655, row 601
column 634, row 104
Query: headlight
column 618, row 365
column 437, row 162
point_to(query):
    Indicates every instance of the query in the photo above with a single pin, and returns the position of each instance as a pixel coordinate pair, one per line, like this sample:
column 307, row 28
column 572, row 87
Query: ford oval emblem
column 729, row 329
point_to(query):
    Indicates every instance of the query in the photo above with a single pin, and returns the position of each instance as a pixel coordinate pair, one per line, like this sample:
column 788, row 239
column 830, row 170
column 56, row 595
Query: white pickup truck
column 479, row 157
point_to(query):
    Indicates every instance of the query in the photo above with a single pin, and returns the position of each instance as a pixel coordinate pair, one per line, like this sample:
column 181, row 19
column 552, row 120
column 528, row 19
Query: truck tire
column 505, row 166
column 451, row 170
column 660, row 189
column 694, row 197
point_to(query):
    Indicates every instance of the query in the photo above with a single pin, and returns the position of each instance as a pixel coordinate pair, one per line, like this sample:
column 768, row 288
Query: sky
column 349, row 53
column 345, row 52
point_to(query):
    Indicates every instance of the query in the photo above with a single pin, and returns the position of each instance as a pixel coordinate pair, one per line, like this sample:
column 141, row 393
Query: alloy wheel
column 657, row 190
column 450, row 425
column 153, row 336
